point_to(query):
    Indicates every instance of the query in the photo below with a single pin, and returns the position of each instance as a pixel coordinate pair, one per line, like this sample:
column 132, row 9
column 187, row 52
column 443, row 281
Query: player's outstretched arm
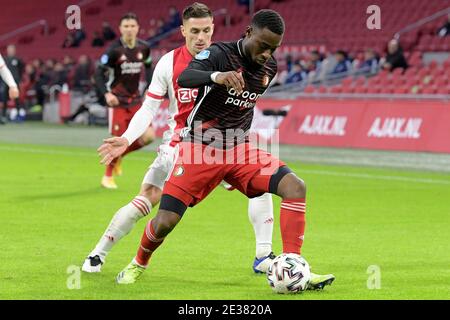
column 193, row 78
column 6, row 75
column 112, row 148
column 142, row 119
column 153, row 99
column 206, row 68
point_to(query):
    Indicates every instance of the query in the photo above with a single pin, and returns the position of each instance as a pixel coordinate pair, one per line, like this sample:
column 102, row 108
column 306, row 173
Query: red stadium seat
column 446, row 64
column 401, row 90
column 398, row 71
column 309, row 89
column 423, row 72
column 348, row 89
column 336, row 89
column 347, row 81
column 360, row 89
column 373, row 81
column 443, row 90
column 398, row 81
column 441, row 81
column 323, row 89
column 429, row 90
column 387, row 89
column 373, row 89
column 360, row 81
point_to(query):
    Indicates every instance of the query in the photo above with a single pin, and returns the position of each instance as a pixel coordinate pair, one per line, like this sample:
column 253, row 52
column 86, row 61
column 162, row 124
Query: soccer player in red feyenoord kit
column 215, row 147
column 117, row 78
column 197, row 29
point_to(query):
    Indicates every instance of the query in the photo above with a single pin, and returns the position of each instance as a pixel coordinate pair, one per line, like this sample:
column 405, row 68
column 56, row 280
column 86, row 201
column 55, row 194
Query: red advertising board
column 370, row 124
column 385, row 125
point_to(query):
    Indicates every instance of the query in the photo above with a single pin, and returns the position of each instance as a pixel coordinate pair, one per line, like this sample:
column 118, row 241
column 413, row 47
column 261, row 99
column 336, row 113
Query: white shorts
column 159, row 170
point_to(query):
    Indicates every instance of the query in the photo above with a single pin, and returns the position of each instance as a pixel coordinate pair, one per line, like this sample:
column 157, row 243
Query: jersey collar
column 240, row 48
column 125, row 45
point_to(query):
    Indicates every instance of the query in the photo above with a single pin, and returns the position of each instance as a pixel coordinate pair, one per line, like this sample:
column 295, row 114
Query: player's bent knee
column 148, row 136
column 291, row 187
column 151, row 192
column 164, row 222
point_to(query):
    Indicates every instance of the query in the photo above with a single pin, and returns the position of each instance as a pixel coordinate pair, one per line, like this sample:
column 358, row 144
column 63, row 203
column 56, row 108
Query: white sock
column 260, row 213
column 121, row 224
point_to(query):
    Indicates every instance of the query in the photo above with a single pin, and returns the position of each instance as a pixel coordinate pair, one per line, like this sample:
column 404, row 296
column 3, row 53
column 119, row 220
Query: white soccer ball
column 289, row 273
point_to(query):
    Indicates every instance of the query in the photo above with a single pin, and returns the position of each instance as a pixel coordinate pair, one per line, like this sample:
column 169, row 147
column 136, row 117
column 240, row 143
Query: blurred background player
column 7, row 77
column 197, row 29
column 224, row 71
column 16, row 68
column 122, row 64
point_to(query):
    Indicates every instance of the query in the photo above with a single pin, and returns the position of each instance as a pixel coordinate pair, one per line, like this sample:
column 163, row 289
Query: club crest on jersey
column 104, row 59
column 139, row 56
column 178, row 171
column 202, row 55
column 265, row 80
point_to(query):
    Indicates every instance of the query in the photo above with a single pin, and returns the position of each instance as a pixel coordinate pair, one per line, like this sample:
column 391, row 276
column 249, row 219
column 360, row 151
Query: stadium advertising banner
column 383, row 125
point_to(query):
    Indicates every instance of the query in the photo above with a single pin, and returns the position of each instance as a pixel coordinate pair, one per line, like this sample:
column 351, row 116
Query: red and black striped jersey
column 125, row 66
column 220, row 114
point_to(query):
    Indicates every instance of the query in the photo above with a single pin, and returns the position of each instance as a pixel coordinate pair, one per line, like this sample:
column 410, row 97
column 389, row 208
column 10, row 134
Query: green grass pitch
column 52, row 212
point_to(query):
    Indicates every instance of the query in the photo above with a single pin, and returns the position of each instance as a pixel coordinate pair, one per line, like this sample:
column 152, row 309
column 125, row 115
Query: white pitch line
column 376, row 177
column 319, row 172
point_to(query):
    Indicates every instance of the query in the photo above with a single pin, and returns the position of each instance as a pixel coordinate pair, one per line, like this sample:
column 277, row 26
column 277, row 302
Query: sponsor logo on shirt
column 244, row 100
column 131, row 67
column 185, row 95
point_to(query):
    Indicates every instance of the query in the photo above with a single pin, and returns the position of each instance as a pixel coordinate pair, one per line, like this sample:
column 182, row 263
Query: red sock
column 133, row 147
column 149, row 243
column 292, row 224
column 110, row 168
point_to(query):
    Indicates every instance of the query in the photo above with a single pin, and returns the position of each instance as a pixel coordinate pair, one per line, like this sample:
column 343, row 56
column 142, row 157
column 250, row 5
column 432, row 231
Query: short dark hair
column 197, row 10
column 269, row 19
column 128, row 16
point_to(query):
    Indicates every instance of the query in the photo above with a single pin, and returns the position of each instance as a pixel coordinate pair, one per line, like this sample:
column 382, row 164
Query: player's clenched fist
column 13, row 92
column 231, row 79
column 111, row 149
column 111, row 99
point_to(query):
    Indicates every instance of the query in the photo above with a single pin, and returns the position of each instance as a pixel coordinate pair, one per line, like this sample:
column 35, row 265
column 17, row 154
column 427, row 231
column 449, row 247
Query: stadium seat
column 347, row 81
column 429, row 90
column 443, row 90
column 373, row 81
column 309, row 89
column 360, row 89
column 373, row 89
column 323, row 89
column 441, row 81
column 360, row 81
column 397, row 72
column 401, row 90
column 336, row 89
column 398, row 80
column 386, row 89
